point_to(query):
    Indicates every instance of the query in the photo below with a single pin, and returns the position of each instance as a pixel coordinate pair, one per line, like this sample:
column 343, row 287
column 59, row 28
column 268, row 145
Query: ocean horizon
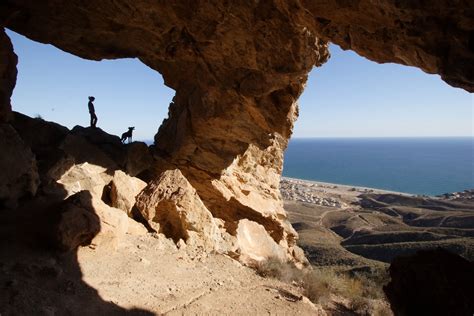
column 415, row 165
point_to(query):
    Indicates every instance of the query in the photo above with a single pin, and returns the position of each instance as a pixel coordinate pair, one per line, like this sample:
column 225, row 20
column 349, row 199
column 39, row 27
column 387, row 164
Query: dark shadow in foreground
column 431, row 282
column 36, row 277
column 39, row 236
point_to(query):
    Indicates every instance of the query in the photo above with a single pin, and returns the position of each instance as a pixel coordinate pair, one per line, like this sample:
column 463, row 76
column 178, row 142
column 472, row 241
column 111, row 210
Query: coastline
column 343, row 187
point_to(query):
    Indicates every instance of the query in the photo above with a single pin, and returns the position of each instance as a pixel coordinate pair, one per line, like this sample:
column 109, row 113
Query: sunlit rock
column 123, row 191
column 238, row 70
column 172, row 202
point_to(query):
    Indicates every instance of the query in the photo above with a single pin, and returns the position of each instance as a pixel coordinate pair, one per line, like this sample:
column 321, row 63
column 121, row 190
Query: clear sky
column 349, row 96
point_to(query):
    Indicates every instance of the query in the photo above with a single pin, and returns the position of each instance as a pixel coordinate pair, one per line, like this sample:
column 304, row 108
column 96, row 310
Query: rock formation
column 431, row 282
column 8, row 61
column 238, row 70
column 19, row 173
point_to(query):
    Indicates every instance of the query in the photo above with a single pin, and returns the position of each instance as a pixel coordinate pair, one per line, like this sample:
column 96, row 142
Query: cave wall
column 435, row 36
column 8, row 72
column 238, row 68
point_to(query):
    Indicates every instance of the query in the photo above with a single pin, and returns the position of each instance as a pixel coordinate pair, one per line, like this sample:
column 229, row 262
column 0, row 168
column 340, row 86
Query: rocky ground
column 144, row 275
column 88, row 229
column 78, row 235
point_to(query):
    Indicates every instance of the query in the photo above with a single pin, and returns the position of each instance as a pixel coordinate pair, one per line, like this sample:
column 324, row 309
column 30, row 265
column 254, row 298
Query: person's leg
column 94, row 118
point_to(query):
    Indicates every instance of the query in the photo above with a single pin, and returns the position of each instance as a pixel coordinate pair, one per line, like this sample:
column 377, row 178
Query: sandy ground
column 152, row 274
column 149, row 275
column 145, row 275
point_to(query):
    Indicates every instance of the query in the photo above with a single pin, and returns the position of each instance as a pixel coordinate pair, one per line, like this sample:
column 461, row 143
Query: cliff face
column 238, row 69
column 8, row 61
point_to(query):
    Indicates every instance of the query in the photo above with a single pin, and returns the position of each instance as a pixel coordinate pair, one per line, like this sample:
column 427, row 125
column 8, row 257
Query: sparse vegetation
column 39, row 117
column 359, row 292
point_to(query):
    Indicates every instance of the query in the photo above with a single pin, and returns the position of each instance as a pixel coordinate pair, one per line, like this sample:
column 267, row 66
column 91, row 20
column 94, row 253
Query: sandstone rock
column 83, row 151
column 96, row 136
column 123, row 191
column 173, row 203
column 8, row 72
column 86, row 219
column 42, row 136
column 114, row 224
column 107, row 143
column 85, row 176
column 138, row 158
column 19, row 174
column 135, row 228
column 298, row 254
column 44, row 139
column 255, row 244
column 238, row 70
column 78, row 223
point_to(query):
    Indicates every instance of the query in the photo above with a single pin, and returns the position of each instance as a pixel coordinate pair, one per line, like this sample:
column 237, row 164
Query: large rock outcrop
column 8, row 72
column 19, row 173
column 436, row 36
column 431, row 282
column 238, row 69
column 171, row 205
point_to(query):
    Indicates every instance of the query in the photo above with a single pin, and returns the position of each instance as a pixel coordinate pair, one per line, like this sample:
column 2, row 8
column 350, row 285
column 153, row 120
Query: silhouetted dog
column 127, row 135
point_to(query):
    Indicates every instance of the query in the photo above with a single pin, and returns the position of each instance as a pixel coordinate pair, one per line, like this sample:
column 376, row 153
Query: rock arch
column 238, row 69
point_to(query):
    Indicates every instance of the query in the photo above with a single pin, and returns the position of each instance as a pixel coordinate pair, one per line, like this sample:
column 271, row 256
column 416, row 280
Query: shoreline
column 345, row 187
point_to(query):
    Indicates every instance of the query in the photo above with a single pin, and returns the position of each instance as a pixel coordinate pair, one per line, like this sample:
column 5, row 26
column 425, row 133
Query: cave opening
column 54, row 85
column 367, row 124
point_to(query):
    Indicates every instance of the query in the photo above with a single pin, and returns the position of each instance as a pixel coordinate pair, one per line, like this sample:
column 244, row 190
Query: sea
column 424, row 166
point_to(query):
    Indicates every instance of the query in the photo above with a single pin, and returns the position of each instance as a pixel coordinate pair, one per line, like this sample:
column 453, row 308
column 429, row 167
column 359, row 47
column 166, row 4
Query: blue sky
column 349, row 96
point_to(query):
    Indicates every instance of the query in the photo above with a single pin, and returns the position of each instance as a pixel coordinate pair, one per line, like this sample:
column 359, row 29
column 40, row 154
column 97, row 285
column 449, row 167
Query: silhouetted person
column 92, row 112
column 127, row 135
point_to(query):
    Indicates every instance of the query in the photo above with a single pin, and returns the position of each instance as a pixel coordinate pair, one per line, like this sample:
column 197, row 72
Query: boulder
column 96, row 136
column 114, row 224
column 431, row 282
column 109, row 144
column 135, row 228
column 85, row 219
column 85, row 176
column 173, row 203
column 78, row 223
column 19, row 173
column 83, row 151
column 255, row 244
column 137, row 158
column 44, row 139
column 42, row 136
column 123, row 191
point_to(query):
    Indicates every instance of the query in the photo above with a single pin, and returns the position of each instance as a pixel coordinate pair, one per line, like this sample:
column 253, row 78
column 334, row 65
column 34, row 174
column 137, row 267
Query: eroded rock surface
column 436, row 36
column 238, row 70
column 123, row 190
column 174, row 208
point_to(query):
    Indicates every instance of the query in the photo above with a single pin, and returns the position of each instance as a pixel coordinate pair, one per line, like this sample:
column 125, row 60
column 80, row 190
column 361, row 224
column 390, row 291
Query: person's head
column 91, row 98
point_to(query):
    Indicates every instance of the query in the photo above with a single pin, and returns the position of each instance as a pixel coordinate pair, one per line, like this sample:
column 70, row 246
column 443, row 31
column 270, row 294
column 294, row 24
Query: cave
column 212, row 177
column 238, row 70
